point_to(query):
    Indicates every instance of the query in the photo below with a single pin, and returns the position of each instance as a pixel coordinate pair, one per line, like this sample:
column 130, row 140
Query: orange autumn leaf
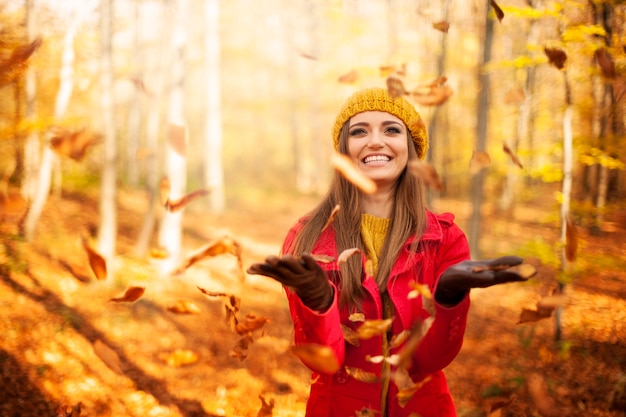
column 571, row 240
column 395, row 87
column 222, row 246
column 371, row 328
column 177, row 138
column 416, row 334
column 132, row 294
column 96, row 261
column 419, row 289
column 73, row 144
column 350, row 335
column 12, row 67
column 513, row 156
column 319, row 358
column 159, row 253
column 480, row 160
column 528, row 315
column 426, row 172
column 331, row 217
column 240, row 351
column 349, row 77
column 108, row 356
column 176, row 205
column 366, row 412
column 321, row 258
column 361, row 375
column 406, row 387
column 556, row 57
column 498, row 11
column 345, row 167
column 434, row 93
column 442, row 26
column 346, row 254
column 250, row 324
column 179, row 357
column 184, row 307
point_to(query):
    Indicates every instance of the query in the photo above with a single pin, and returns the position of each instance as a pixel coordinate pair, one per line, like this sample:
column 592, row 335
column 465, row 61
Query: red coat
column 442, row 245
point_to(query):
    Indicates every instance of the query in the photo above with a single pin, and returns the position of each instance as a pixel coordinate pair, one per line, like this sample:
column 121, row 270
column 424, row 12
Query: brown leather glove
column 302, row 274
column 457, row 280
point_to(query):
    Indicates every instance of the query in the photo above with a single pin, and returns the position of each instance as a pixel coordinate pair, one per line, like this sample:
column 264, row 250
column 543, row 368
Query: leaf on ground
column 371, row 328
column 179, row 357
column 184, row 307
column 131, row 295
column 425, row 172
column 479, row 161
column 319, row 358
column 96, row 261
column 513, row 156
column 108, row 356
column 343, row 164
column 546, row 405
column 331, row 217
column 362, row 375
column 267, row 407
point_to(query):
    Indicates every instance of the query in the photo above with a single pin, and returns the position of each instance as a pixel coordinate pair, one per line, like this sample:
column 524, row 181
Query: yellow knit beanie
column 378, row 99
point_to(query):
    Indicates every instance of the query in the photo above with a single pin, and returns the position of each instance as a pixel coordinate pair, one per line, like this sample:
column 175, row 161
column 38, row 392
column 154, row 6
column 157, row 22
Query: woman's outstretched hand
column 302, row 274
column 458, row 279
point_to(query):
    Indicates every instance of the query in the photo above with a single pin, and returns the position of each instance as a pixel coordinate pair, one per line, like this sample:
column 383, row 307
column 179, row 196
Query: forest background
column 134, row 132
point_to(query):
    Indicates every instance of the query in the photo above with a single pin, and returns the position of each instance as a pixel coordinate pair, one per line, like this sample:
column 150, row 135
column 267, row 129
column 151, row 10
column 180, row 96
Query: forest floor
column 65, row 345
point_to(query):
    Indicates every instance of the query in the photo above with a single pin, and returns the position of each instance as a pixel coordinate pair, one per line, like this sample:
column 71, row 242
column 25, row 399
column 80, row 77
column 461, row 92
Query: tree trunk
column 481, row 141
column 214, row 176
column 107, row 228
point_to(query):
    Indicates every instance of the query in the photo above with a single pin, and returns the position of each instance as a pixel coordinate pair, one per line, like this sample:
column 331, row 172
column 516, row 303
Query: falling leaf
column 571, row 240
column 346, row 254
column 350, row 335
column 498, row 11
column 132, row 294
column 213, row 293
column 345, row 167
column 96, row 261
column 179, row 357
column 442, row 26
column 241, row 349
column 556, row 57
column 232, row 305
column 317, row 357
column 426, row 173
column 366, row 412
column 546, row 405
column 176, row 205
column 267, row 407
column 108, row 356
column 514, row 157
column 480, row 160
column 395, row 87
column 184, row 307
column 250, row 324
column 177, row 138
column 371, row 328
column 331, row 217
column 11, row 67
column 356, row 317
column 434, row 93
column 406, row 387
column 417, row 333
column 361, row 375
column 419, row 289
column 321, row 258
column 399, row 339
column 529, row 315
column 222, row 246
column 73, row 144
column 349, row 78
column 604, row 60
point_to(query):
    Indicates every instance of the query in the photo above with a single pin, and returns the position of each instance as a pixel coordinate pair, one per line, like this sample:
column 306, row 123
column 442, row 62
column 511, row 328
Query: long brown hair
column 408, row 218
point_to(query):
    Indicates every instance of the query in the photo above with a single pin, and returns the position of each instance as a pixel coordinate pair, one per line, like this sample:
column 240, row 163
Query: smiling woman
column 378, row 285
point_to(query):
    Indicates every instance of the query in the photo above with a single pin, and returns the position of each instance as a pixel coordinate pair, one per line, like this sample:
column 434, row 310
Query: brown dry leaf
column 132, row 294
column 371, row 328
column 604, row 60
column 513, row 156
column 366, row 412
column 361, row 375
column 495, row 409
column 346, row 254
column 176, row 205
column 11, row 67
column 538, row 390
column 571, row 240
column 267, row 407
column 350, row 335
column 433, row 93
column 426, row 172
column 417, row 333
column 321, row 258
column 529, row 315
column 398, row 339
column 317, row 357
column 480, row 160
column 349, row 78
column 556, row 57
column 213, row 293
column 343, row 164
column 96, row 261
column 231, row 306
column 108, row 356
column 356, row 317
column 250, row 324
column 73, row 144
column 184, row 307
column 395, row 87
column 177, row 138
column 406, row 387
column 241, row 349
column 331, row 217
column 442, row 26
column 222, row 246
column 179, row 357
column 497, row 10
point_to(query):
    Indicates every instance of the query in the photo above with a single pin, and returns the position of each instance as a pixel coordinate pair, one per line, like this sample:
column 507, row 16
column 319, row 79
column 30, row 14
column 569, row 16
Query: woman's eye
column 394, row 130
column 357, row 132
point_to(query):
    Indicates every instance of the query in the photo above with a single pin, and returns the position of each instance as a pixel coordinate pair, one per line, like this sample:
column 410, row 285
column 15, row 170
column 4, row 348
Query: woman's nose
column 375, row 140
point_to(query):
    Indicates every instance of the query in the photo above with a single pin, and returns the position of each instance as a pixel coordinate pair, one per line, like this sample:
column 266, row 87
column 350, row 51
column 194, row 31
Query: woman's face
column 378, row 146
